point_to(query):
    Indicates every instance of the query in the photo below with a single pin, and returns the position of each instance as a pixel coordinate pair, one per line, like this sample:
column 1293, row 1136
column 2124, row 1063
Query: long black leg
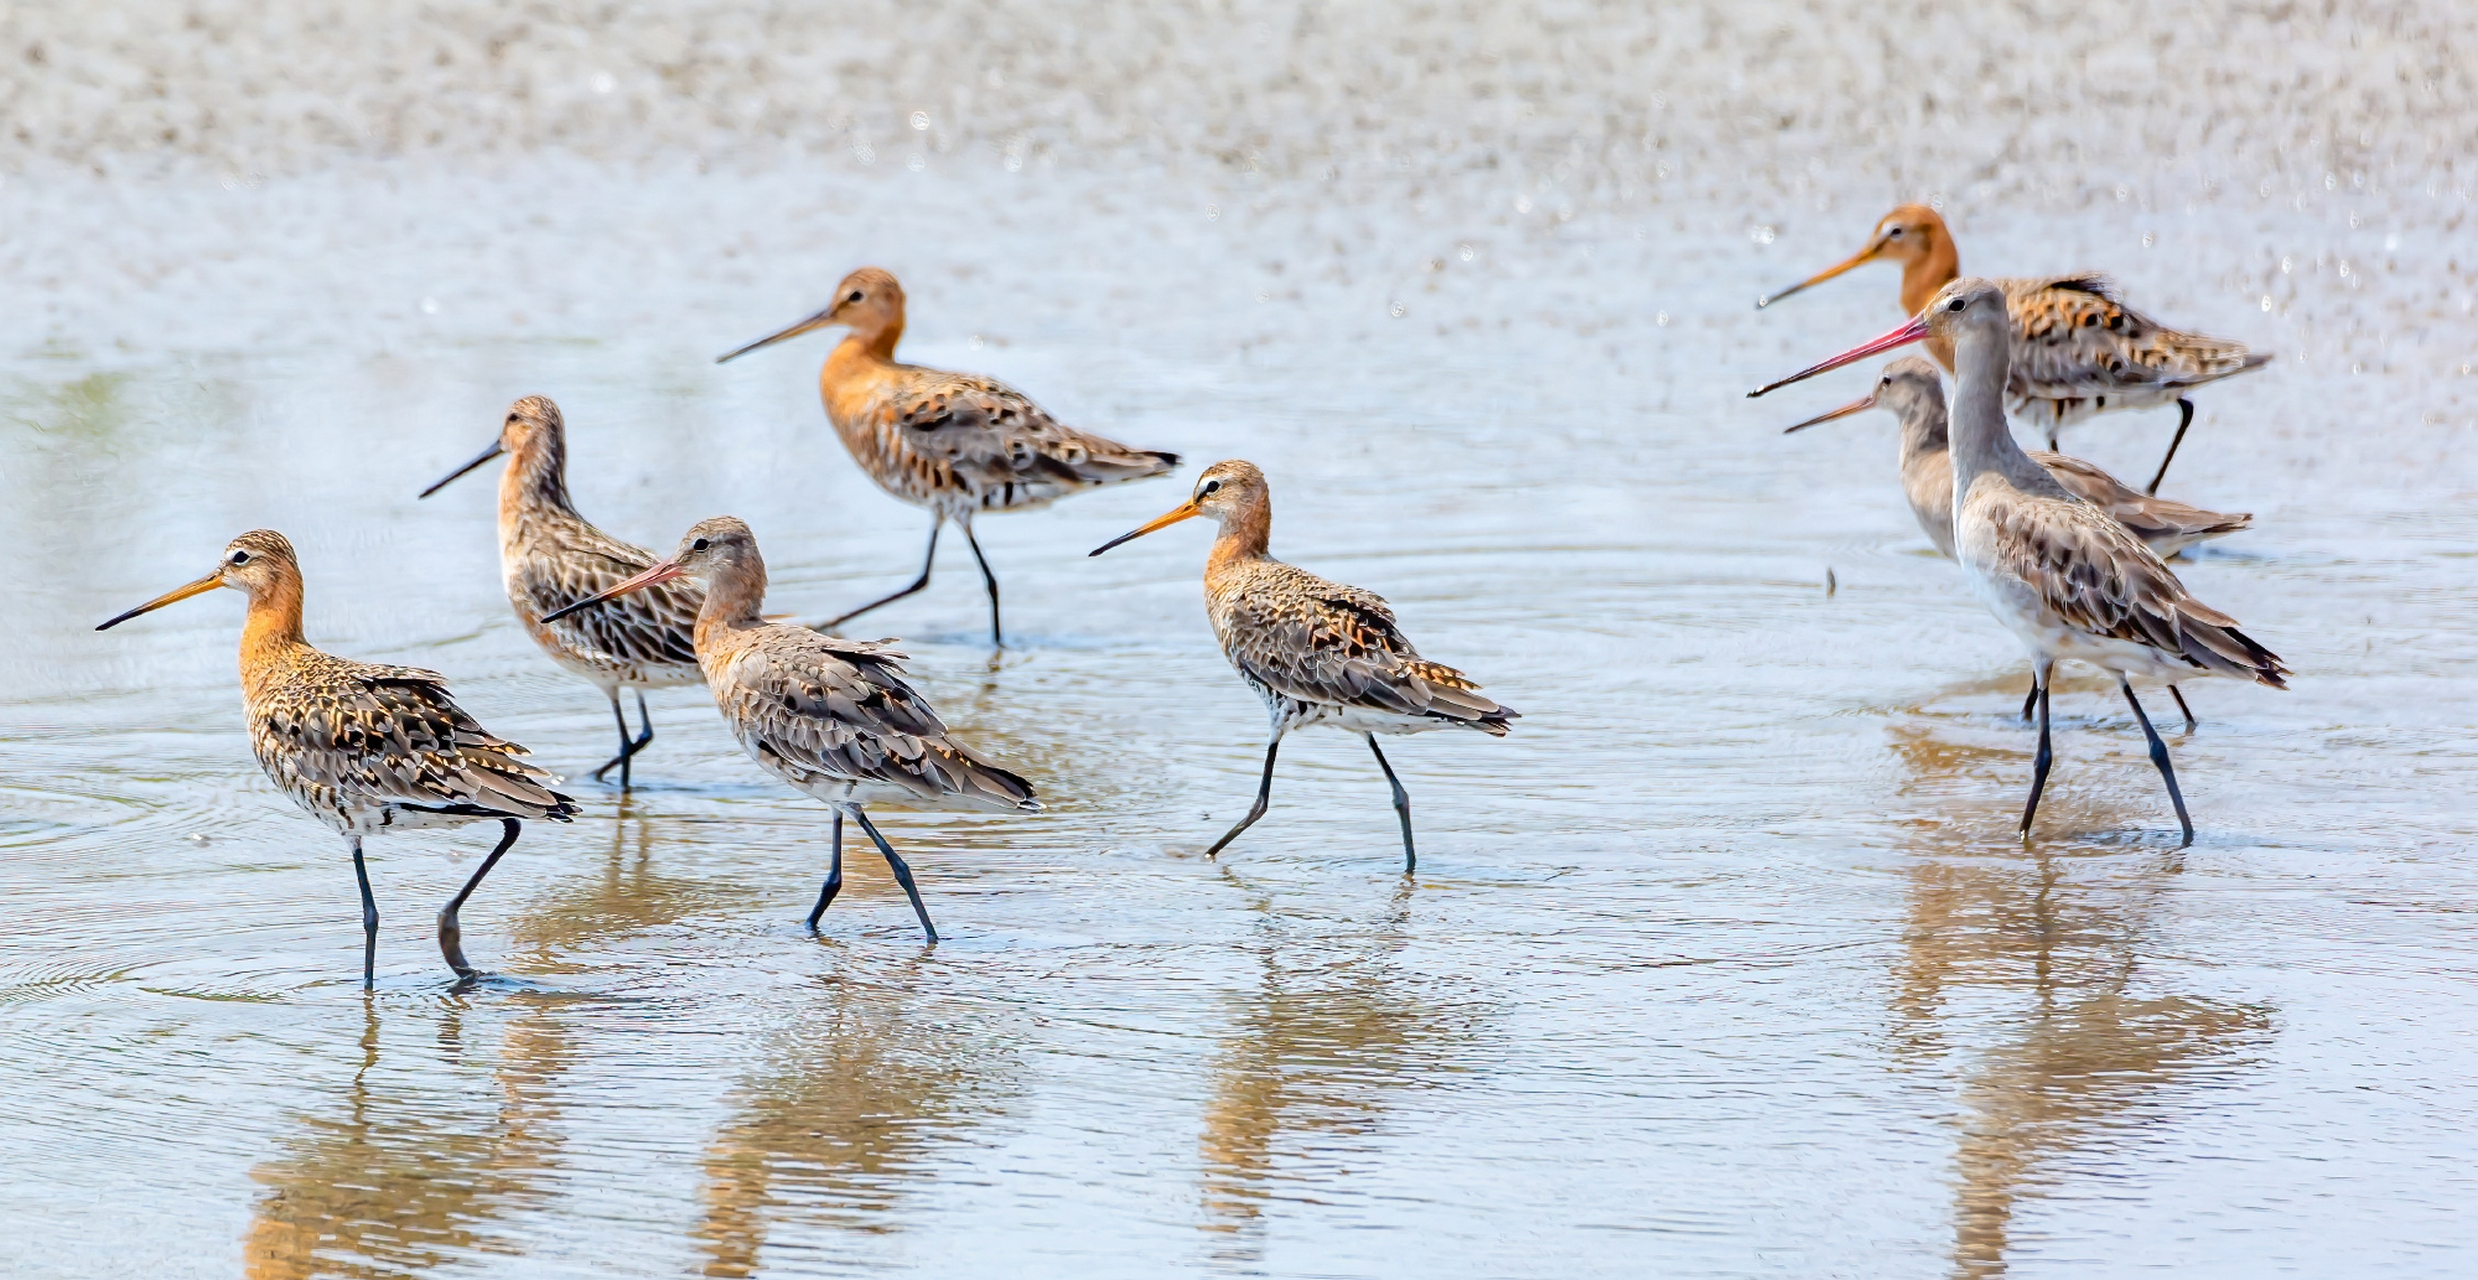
column 2159, row 757
column 369, row 919
column 628, row 748
column 2181, row 706
column 903, row 874
column 451, row 934
column 917, row 583
column 2045, row 757
column 834, row 876
column 2185, row 418
column 988, row 578
column 2030, row 701
column 1264, row 792
column 1402, row 808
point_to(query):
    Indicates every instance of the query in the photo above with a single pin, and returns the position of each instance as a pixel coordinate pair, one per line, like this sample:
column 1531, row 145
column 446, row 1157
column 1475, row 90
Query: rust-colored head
column 869, row 302
column 1912, row 235
column 259, row 564
column 1227, row 491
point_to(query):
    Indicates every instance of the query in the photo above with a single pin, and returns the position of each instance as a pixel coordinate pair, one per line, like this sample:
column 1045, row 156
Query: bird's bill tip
column 663, row 571
column 1859, row 259
column 451, row 477
column 818, row 321
column 1911, row 331
column 1184, row 511
column 1860, row 405
column 174, row 596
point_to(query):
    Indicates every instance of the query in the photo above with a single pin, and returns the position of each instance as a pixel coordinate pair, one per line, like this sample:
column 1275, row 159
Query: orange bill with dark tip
column 1187, row 510
column 174, row 596
column 1911, row 331
column 1860, row 405
column 663, row 571
column 1859, row 259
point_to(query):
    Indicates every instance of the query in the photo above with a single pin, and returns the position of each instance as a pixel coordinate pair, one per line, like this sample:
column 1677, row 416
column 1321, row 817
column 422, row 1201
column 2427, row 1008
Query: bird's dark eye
column 698, row 545
column 855, row 296
column 1955, row 305
column 1213, row 486
column 240, row 557
column 1894, row 234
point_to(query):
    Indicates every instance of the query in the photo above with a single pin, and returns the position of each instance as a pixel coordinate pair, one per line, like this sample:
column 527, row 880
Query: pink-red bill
column 1911, row 331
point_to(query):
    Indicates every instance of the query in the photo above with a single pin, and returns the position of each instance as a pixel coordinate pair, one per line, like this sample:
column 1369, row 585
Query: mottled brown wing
column 833, row 709
column 2157, row 521
column 1314, row 640
column 366, row 735
column 655, row 626
column 2098, row 577
column 2073, row 336
column 993, row 435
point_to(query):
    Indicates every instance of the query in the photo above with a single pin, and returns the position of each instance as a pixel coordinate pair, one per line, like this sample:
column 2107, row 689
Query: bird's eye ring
column 240, row 557
column 1213, row 486
column 1894, row 234
column 855, row 296
column 1956, row 305
column 698, row 545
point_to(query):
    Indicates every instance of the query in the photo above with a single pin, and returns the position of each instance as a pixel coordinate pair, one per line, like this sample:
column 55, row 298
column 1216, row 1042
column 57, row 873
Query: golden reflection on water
column 406, row 1173
column 1331, row 1035
column 2063, row 933
column 846, row 1111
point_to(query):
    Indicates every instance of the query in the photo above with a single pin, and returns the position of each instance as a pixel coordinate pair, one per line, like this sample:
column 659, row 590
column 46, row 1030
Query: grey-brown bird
column 2063, row 576
column 2079, row 350
column 958, row 444
column 830, row 716
column 550, row 557
column 1315, row 651
column 364, row 747
column 1911, row 389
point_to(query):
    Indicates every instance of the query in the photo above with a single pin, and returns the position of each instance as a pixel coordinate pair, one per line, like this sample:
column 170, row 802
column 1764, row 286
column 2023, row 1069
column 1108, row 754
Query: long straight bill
column 1187, row 510
column 174, row 596
column 1910, row 332
column 1860, row 405
column 478, row 459
column 663, row 571
column 817, row 321
column 1859, row 259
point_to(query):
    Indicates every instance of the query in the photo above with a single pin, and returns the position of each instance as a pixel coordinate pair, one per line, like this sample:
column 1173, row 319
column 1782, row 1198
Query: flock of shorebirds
column 2064, row 555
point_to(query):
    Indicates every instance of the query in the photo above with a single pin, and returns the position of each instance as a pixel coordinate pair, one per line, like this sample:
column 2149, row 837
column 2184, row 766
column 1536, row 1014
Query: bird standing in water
column 1316, row 652
column 957, row 444
column 1913, row 392
column 550, row 558
column 364, row 747
column 831, row 717
column 2064, row 576
column 2078, row 349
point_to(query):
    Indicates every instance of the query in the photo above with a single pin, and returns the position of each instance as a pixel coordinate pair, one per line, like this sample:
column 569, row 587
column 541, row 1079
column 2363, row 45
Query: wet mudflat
column 1725, row 963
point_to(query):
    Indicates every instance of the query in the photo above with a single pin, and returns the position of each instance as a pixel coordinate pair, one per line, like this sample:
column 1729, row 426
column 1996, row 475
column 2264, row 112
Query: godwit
column 550, row 558
column 1317, row 652
column 1913, row 392
column 2056, row 570
column 364, row 747
column 957, row 444
column 832, row 717
column 2078, row 349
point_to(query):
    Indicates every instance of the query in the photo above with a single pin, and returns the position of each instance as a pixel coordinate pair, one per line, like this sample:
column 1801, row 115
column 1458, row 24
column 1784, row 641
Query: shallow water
column 1725, row 963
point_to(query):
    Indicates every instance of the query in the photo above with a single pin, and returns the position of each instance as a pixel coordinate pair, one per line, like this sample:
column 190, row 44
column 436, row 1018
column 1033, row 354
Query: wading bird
column 831, row 717
column 364, row 747
column 957, row 444
column 2078, row 349
column 550, row 558
column 2060, row 573
column 1913, row 392
column 1316, row 652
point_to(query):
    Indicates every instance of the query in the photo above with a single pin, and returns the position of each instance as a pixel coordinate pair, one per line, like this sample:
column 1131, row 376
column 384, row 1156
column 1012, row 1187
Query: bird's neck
column 735, row 598
column 271, row 632
column 1981, row 441
column 1244, row 537
column 1924, row 432
column 872, row 346
column 1922, row 276
column 536, row 480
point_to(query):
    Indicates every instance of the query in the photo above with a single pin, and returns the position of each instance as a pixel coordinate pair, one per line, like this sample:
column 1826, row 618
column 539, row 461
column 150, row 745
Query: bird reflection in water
column 851, row 1109
column 409, row 1170
column 1335, row 1031
column 2072, row 1049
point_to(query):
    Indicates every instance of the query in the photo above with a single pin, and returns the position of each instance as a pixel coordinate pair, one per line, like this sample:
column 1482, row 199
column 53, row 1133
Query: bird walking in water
column 2078, row 349
column 364, row 747
column 1316, row 652
column 957, row 444
column 1911, row 389
column 831, row 717
column 2064, row 576
column 550, row 558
